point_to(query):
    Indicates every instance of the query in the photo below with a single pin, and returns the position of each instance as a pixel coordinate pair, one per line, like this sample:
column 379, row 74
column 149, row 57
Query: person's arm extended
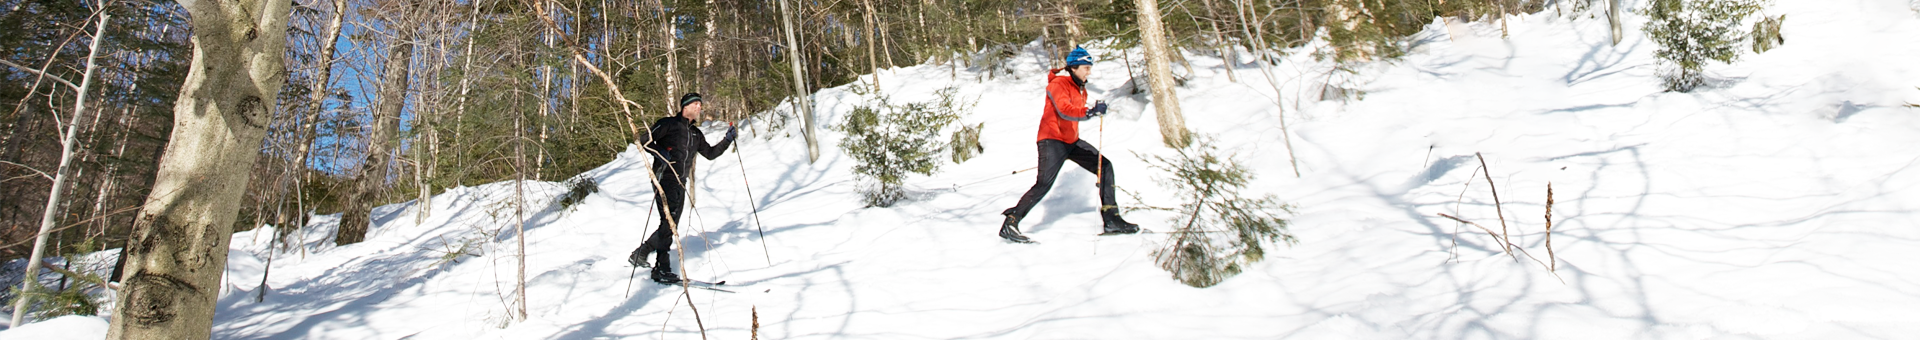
column 714, row 151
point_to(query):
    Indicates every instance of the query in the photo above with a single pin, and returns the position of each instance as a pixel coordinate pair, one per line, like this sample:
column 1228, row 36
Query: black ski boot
column 1114, row 225
column 1010, row 230
column 639, row 256
column 663, row 271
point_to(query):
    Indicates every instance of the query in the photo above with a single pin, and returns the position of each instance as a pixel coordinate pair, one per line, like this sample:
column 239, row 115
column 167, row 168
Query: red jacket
column 1064, row 98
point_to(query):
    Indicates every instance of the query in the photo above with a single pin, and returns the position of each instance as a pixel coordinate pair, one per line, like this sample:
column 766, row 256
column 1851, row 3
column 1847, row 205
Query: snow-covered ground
column 1781, row 203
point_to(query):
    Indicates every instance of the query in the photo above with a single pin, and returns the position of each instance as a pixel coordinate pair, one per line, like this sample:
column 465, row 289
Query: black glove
column 1098, row 109
column 732, row 132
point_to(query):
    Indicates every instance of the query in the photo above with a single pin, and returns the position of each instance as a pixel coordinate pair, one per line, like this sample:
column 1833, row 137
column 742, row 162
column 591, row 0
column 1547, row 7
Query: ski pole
column 630, row 273
column 752, row 202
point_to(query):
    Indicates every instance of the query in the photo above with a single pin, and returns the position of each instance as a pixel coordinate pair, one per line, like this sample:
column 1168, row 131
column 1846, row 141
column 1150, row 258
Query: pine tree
column 1692, row 32
column 1219, row 229
column 889, row 141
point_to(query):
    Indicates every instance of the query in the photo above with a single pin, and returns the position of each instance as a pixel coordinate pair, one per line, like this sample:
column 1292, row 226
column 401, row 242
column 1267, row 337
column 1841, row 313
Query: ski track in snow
column 1779, row 203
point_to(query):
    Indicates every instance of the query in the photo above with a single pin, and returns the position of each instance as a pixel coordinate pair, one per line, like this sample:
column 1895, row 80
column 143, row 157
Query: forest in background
column 391, row 101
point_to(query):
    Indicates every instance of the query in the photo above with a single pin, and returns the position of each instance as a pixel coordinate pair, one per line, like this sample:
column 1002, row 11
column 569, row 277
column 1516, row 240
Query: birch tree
column 67, row 140
column 804, row 106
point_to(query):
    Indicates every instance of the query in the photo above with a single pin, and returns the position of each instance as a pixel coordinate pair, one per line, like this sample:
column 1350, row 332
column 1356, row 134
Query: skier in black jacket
column 673, row 142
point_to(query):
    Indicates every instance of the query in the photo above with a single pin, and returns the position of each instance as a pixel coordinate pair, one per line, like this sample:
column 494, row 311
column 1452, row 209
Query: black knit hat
column 688, row 99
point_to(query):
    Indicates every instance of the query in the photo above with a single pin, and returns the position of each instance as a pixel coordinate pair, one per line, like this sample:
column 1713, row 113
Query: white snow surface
column 70, row 327
column 1780, row 203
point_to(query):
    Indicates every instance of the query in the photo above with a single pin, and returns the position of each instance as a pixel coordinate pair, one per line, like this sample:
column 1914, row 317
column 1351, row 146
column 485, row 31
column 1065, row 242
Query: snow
column 71, row 327
column 1778, row 203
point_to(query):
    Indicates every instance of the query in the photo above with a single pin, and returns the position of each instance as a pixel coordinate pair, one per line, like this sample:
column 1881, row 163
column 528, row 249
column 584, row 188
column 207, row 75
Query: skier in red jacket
column 1059, row 140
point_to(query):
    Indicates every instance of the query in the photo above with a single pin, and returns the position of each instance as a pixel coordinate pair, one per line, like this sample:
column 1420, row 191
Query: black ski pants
column 1053, row 154
column 669, row 199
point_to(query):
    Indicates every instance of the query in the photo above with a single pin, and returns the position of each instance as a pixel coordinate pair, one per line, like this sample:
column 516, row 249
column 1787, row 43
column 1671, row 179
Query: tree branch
column 24, row 166
column 42, row 73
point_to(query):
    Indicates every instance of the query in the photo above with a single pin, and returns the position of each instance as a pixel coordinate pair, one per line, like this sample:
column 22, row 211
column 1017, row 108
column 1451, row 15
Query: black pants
column 1053, row 154
column 669, row 200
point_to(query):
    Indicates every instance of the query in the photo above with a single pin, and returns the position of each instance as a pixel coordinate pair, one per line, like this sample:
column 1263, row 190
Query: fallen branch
column 1496, row 237
column 1509, row 245
column 1494, row 188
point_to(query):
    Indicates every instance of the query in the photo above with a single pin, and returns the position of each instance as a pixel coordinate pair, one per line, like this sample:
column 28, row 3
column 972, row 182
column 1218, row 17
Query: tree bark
column 373, row 172
column 673, row 64
column 1613, row 20
column 179, row 242
column 67, row 141
column 546, row 91
column 520, row 219
column 1173, row 127
column 873, row 62
column 800, row 94
column 703, row 81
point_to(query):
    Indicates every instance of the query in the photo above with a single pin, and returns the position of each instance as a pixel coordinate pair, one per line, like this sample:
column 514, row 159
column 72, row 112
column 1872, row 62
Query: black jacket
column 673, row 141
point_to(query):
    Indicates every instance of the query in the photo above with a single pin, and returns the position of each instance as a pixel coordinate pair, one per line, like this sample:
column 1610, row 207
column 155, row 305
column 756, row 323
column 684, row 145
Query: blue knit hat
column 1079, row 57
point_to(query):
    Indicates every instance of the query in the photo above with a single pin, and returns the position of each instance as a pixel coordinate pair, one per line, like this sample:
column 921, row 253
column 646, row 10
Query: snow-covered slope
column 1781, row 203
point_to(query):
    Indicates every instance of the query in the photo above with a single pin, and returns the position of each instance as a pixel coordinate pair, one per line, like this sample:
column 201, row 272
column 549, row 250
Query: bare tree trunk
column 546, row 106
column 1503, row 19
column 520, row 220
column 1613, row 20
column 466, row 85
column 1226, row 49
column 1260, row 44
column 1074, row 31
column 1166, row 103
column 702, row 80
column 673, row 64
column 372, row 178
column 426, row 145
column 31, row 277
column 873, row 62
column 886, row 39
column 179, row 241
column 800, row 94
column 107, row 177
column 322, row 77
column 422, row 137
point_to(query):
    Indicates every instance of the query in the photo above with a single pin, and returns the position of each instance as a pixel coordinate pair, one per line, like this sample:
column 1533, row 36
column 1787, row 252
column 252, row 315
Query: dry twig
column 1552, row 263
column 1496, row 193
